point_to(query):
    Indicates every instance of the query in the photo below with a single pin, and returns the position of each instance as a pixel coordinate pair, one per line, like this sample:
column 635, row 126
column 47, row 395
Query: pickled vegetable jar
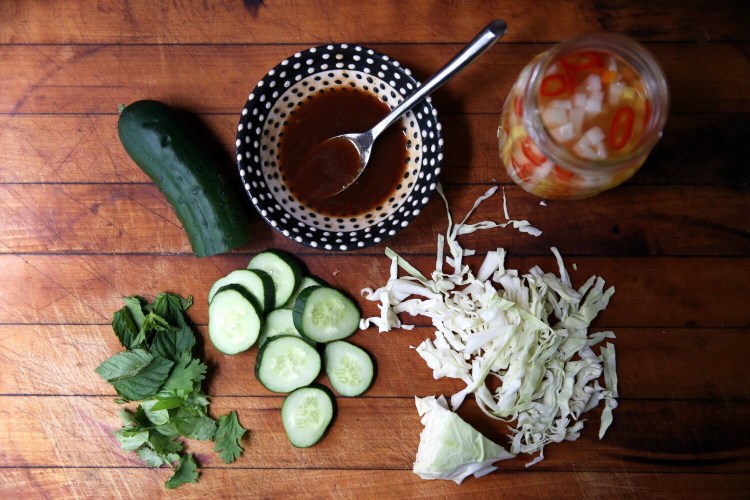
column 583, row 116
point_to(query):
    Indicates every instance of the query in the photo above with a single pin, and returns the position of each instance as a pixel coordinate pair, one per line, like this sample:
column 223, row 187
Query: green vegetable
column 157, row 139
column 227, row 438
column 159, row 370
column 187, row 472
column 449, row 448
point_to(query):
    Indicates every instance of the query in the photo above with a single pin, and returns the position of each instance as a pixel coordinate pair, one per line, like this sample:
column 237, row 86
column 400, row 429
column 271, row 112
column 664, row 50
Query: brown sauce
column 308, row 170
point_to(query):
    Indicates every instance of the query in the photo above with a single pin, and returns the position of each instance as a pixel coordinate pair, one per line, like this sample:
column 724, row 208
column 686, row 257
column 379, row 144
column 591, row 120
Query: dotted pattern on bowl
column 297, row 79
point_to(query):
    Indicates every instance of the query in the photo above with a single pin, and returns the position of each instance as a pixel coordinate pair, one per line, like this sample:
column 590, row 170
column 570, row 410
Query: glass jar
column 583, row 116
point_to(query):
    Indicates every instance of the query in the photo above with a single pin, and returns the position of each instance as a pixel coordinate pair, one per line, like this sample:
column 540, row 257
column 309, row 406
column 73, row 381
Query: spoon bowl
column 350, row 165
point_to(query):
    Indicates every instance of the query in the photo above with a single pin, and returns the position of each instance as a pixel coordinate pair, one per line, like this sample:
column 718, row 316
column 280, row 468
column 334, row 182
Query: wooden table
column 81, row 226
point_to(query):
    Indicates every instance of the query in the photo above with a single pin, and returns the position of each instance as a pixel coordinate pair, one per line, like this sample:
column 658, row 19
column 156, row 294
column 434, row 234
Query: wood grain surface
column 81, row 226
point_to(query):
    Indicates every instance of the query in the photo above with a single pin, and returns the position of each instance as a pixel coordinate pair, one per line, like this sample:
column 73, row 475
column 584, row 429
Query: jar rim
column 645, row 64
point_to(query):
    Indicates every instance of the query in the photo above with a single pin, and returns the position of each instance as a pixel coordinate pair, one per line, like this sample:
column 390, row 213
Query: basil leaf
column 146, row 382
column 124, row 365
column 157, row 417
column 166, row 402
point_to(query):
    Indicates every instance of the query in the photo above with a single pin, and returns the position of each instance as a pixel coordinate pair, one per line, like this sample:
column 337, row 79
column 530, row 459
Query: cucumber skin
column 262, row 351
column 158, row 141
column 330, row 394
column 252, row 300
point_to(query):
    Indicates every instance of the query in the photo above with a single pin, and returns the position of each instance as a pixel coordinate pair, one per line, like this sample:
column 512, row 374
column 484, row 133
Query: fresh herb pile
column 158, row 370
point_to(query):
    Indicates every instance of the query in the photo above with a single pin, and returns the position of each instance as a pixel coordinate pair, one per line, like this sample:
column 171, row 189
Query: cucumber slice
column 278, row 322
column 284, row 270
column 306, row 414
column 234, row 319
column 255, row 281
column 349, row 368
column 307, row 282
column 324, row 314
column 286, row 363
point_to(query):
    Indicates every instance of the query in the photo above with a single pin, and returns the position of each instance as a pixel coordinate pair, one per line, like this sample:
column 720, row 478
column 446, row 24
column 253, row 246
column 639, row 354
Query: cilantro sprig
column 158, row 370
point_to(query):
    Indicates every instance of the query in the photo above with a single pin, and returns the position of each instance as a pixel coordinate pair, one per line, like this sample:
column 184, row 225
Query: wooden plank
column 668, row 292
column 85, row 148
column 681, row 436
column 632, row 220
column 703, row 363
column 81, row 79
column 269, row 22
column 238, row 483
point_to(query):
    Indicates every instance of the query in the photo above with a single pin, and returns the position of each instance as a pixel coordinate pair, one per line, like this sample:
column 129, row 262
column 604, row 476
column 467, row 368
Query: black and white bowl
column 296, row 79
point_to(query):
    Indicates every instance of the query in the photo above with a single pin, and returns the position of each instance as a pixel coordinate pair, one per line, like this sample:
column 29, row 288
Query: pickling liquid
column 309, row 168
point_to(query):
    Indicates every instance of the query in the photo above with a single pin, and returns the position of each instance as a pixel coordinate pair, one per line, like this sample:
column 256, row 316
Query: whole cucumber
column 158, row 140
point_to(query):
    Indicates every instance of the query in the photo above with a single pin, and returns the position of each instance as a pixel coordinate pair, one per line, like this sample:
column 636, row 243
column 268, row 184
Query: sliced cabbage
column 530, row 332
column 451, row 449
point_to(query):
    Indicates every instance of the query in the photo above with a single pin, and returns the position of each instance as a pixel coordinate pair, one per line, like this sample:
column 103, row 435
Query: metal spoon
column 363, row 142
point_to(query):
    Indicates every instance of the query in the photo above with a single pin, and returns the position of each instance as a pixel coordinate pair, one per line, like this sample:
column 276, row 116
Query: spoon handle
column 486, row 38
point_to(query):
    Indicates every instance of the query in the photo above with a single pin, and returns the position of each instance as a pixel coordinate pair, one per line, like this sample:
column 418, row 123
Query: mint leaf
column 146, row 382
column 157, row 417
column 202, row 428
column 135, row 305
column 187, row 472
column 124, row 365
column 125, row 327
column 163, row 444
column 172, row 307
column 131, row 439
column 172, row 343
column 154, row 459
column 228, row 436
column 167, row 402
column 186, row 374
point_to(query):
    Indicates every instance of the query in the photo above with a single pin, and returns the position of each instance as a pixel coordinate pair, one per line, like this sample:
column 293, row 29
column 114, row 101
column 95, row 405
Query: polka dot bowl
column 297, row 79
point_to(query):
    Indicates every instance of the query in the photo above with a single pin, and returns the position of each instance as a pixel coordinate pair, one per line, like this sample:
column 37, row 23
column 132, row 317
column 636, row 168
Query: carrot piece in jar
column 622, row 127
column 553, row 85
column 518, row 106
column 524, row 171
column 562, row 173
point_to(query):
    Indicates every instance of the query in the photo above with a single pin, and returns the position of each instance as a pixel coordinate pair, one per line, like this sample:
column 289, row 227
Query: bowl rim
column 290, row 72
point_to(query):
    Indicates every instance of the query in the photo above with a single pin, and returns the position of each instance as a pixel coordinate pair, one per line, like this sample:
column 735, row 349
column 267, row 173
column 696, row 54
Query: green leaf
column 202, row 428
column 154, row 459
column 146, row 382
column 163, row 444
column 167, row 402
column 153, row 324
column 186, row 374
column 172, row 343
column 157, row 417
column 172, row 307
column 187, row 472
column 135, row 305
column 227, row 438
column 131, row 439
column 124, row 365
column 125, row 327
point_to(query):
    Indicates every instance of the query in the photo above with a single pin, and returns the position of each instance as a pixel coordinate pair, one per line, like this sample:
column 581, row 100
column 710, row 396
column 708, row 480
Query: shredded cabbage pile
column 529, row 331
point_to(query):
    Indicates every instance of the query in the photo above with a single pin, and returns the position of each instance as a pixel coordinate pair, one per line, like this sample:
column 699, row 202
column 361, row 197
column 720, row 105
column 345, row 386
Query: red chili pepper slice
column 622, row 127
column 518, row 106
column 562, row 173
column 553, row 85
column 523, row 171
column 532, row 153
column 578, row 61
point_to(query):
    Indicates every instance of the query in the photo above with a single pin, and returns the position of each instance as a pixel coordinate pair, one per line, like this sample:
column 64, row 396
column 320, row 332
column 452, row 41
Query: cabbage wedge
column 451, row 449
